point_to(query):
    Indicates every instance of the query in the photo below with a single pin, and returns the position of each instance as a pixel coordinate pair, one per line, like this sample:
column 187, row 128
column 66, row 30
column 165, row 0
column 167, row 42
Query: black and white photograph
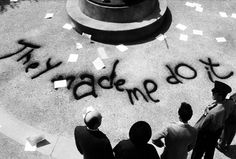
column 117, row 79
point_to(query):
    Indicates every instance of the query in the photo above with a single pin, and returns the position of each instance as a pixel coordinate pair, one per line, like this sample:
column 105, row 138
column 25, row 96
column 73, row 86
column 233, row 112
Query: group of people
column 215, row 129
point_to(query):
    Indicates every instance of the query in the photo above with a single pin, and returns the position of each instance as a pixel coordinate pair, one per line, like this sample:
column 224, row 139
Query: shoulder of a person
column 172, row 124
column 124, row 143
column 218, row 108
column 229, row 102
column 77, row 128
column 178, row 125
column 102, row 134
column 150, row 149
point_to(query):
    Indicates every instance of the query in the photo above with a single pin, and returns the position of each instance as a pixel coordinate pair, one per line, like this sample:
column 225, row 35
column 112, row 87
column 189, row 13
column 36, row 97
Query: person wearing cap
column 90, row 141
column 213, row 122
column 137, row 147
column 229, row 130
column 179, row 137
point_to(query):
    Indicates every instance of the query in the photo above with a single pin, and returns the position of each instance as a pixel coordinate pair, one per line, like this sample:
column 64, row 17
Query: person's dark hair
column 185, row 112
column 223, row 95
column 140, row 133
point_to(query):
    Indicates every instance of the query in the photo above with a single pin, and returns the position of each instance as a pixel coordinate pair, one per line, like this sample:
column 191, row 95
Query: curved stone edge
column 117, row 14
column 117, row 3
column 60, row 147
column 108, row 32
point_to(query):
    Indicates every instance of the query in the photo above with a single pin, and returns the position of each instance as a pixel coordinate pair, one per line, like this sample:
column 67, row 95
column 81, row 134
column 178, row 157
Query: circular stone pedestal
column 117, row 2
column 118, row 12
column 103, row 30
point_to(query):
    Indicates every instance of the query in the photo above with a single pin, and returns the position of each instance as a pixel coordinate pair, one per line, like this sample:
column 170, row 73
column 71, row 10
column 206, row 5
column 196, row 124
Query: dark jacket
column 92, row 144
column 127, row 150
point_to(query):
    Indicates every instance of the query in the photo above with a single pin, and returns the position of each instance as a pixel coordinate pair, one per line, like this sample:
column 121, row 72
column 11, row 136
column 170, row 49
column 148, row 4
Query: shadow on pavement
column 162, row 30
column 43, row 143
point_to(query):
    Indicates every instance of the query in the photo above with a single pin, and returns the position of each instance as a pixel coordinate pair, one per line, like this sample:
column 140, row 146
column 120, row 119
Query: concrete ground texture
column 182, row 70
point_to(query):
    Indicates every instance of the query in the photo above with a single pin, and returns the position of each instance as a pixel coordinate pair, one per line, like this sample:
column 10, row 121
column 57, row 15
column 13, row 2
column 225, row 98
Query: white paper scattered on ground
column 161, row 37
column 181, row 26
column 67, row 26
column 98, row 64
column 79, row 46
column 60, row 84
column 34, row 140
column 102, row 53
column 48, row 15
column 73, row 58
column 29, row 147
column 197, row 5
column 183, row 37
column 223, row 14
column 122, row 48
column 233, row 15
column 199, row 9
column 87, row 35
column 189, row 4
column 13, row 0
column 197, row 32
column 220, row 39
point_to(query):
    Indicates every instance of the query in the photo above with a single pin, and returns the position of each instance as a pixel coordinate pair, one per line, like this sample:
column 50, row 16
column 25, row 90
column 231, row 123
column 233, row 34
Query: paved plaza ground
column 183, row 71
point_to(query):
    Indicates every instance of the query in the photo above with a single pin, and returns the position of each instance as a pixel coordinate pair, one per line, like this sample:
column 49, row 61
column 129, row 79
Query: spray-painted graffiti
column 210, row 69
column 86, row 84
column 27, row 58
column 173, row 78
column 108, row 82
column 176, row 76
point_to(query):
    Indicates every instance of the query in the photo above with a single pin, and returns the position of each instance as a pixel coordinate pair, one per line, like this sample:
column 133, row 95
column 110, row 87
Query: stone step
column 113, row 32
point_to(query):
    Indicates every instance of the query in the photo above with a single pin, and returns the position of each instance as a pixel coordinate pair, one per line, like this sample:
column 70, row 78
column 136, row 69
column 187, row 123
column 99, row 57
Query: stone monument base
column 116, row 32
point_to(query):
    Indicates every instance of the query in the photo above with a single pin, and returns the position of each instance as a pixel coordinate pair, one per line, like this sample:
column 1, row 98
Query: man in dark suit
column 213, row 122
column 90, row 141
column 179, row 137
column 136, row 147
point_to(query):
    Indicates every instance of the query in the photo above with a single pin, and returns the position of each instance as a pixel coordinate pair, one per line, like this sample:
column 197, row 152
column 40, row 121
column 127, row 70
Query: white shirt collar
column 92, row 129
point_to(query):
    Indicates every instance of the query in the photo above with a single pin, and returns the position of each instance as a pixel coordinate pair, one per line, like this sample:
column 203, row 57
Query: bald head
column 93, row 119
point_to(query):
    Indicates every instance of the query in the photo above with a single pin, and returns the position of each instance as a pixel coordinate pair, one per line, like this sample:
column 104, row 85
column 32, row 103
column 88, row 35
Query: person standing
column 212, row 122
column 90, row 141
column 137, row 147
column 179, row 137
column 229, row 130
